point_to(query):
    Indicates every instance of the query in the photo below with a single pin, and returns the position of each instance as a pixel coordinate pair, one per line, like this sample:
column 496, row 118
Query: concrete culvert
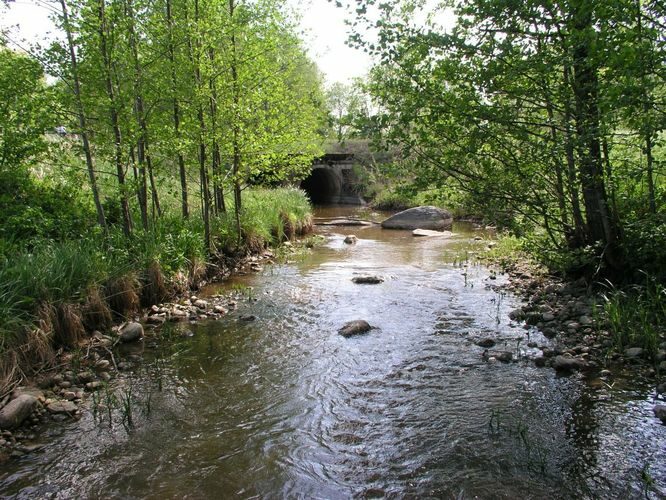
column 323, row 186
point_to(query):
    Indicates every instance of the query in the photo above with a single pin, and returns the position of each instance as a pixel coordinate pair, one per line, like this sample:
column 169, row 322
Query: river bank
column 79, row 378
column 63, row 303
column 280, row 403
column 573, row 315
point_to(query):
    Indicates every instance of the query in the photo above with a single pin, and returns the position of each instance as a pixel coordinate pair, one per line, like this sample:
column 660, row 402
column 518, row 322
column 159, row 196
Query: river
column 284, row 407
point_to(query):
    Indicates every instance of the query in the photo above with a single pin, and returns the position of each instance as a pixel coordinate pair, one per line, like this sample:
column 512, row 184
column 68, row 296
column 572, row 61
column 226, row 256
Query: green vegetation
column 547, row 119
column 636, row 315
column 139, row 170
column 96, row 276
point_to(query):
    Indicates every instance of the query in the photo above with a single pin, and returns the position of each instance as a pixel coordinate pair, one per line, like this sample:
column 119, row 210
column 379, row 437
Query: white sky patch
column 325, row 34
column 28, row 22
column 323, row 26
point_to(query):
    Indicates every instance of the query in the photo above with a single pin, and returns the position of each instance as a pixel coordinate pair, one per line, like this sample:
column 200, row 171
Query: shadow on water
column 285, row 407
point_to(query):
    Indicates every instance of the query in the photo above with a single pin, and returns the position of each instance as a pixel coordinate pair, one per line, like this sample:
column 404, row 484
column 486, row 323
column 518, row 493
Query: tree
column 24, row 111
column 514, row 104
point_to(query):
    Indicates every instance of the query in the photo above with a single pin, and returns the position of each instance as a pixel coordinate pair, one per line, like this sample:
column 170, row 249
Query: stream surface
column 284, row 407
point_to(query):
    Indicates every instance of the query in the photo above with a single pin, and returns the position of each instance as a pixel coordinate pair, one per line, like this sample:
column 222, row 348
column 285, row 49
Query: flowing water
column 284, row 407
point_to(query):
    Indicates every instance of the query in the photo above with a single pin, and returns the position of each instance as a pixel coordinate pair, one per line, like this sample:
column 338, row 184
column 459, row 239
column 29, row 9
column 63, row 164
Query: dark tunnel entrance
column 323, row 186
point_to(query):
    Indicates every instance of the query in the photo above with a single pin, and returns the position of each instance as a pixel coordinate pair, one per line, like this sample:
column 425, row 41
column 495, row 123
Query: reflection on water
column 285, row 407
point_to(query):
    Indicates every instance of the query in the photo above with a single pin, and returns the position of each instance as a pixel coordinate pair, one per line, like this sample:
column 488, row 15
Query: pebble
column 567, row 364
column 69, row 395
column 103, row 365
column 61, row 407
column 634, row 352
column 85, row 377
column 585, row 320
column 155, row 320
column 486, row 343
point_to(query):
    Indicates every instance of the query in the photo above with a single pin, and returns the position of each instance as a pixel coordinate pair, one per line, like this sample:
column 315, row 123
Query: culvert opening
column 322, row 186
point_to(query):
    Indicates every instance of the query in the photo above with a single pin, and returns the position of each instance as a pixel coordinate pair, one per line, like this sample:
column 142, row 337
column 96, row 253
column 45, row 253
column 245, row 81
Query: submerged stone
column 485, row 343
column 355, row 327
column 432, row 234
column 367, row 280
column 566, row 364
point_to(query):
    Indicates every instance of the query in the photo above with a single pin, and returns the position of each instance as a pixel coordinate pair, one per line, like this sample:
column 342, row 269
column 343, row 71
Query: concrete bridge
column 332, row 180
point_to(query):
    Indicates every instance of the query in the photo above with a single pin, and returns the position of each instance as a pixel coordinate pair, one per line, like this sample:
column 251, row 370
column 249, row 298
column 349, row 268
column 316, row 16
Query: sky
column 324, row 33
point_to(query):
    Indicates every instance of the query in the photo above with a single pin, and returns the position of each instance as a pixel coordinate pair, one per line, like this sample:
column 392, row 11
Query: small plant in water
column 495, row 422
column 110, row 403
column 647, row 480
column 126, row 407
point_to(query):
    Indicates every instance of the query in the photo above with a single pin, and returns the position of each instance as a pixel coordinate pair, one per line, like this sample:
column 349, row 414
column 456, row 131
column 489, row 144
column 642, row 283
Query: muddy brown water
column 284, row 407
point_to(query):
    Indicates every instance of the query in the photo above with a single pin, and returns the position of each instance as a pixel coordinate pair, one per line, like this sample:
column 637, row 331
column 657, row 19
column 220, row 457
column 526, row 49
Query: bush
column 35, row 209
column 394, row 199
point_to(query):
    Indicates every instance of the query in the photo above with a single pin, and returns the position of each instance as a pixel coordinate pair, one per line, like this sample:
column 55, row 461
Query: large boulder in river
column 355, row 327
column 17, row 410
column 420, row 218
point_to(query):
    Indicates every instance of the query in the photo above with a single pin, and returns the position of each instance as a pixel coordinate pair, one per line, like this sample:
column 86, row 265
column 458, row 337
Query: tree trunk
column 577, row 237
column 650, row 173
column 83, row 125
column 203, row 171
column 145, row 164
column 216, row 165
column 647, row 105
column 600, row 226
column 236, row 165
column 176, row 114
column 113, row 110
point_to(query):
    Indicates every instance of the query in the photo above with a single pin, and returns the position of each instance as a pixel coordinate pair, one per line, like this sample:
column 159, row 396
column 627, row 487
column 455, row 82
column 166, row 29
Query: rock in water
column 420, row 218
column 660, row 413
column 565, row 364
column 131, row 332
column 431, row 233
column 351, row 239
column 633, row 352
column 62, row 407
column 355, row 327
column 367, row 280
column 17, row 410
column 486, row 343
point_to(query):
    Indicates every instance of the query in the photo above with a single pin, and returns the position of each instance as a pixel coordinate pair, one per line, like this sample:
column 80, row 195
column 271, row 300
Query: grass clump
column 636, row 315
column 269, row 216
column 393, row 199
column 506, row 250
column 54, row 291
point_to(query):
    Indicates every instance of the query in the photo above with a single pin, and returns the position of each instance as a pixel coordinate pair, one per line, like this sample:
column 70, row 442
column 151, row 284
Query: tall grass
column 637, row 315
column 64, row 272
